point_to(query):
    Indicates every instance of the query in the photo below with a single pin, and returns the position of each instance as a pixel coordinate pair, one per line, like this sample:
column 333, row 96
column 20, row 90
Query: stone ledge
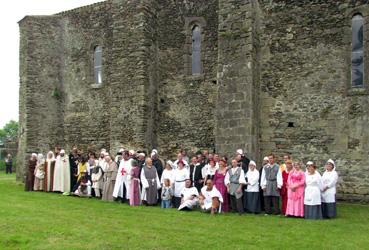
column 352, row 91
column 96, row 86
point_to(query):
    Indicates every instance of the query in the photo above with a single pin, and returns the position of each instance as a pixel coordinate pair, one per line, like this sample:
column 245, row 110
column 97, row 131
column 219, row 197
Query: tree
column 10, row 130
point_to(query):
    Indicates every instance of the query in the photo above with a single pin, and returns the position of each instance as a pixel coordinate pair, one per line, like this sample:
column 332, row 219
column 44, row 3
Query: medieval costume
column 30, row 173
column 207, row 203
column 271, row 182
column 73, row 163
column 252, row 191
column 295, row 188
column 166, row 196
column 197, row 177
column 284, row 193
column 39, row 173
column 110, row 176
column 150, row 185
column 84, row 187
column 168, row 173
column 49, row 172
column 222, row 188
column 97, row 179
column 62, row 173
column 189, row 198
column 123, row 182
column 135, row 191
column 234, row 180
column 180, row 175
column 329, row 181
column 312, row 199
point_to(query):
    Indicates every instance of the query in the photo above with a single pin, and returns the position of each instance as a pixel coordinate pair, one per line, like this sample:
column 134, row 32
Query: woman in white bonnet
column 329, row 181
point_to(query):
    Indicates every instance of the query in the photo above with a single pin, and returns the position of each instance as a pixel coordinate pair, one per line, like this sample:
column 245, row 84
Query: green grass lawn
column 36, row 220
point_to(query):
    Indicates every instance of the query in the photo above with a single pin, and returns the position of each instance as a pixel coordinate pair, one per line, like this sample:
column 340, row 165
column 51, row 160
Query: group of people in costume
column 205, row 181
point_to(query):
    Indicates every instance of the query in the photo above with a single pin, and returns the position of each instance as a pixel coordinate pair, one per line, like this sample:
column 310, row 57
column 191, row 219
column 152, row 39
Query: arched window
column 357, row 52
column 196, row 50
column 98, row 65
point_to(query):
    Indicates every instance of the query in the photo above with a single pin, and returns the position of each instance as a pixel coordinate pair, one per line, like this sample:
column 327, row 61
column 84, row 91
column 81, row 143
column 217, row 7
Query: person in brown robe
column 110, row 176
column 49, row 172
column 30, row 173
column 150, row 183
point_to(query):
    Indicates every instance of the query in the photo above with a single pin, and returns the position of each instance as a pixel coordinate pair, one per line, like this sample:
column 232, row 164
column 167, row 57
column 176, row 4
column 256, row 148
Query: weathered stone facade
column 275, row 77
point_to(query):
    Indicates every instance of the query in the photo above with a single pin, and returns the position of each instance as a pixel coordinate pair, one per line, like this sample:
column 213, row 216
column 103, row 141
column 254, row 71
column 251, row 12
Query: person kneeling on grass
column 84, row 187
column 210, row 198
column 189, row 197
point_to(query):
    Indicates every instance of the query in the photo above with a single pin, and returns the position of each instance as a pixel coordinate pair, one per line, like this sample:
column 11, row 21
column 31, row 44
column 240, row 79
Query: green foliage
column 38, row 220
column 56, row 93
column 10, row 130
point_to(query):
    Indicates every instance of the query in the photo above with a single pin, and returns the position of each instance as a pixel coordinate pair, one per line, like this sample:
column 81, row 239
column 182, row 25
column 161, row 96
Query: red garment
column 284, row 193
column 134, row 195
column 222, row 188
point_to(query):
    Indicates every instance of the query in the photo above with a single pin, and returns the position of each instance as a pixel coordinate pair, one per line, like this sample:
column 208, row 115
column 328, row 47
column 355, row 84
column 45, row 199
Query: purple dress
column 135, row 187
column 219, row 184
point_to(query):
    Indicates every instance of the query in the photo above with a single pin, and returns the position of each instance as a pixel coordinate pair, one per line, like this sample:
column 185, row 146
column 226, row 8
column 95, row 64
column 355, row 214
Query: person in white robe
column 189, row 196
column 181, row 174
column 329, row 182
column 62, row 174
column 101, row 161
column 180, row 158
column 123, row 180
column 168, row 173
column 50, row 168
column 312, row 198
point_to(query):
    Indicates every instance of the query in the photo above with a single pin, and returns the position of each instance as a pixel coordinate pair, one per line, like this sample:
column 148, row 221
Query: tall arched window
column 98, row 65
column 357, row 52
column 196, row 50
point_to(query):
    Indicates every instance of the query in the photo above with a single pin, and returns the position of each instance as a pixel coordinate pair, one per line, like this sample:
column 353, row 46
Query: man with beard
column 157, row 163
column 123, row 181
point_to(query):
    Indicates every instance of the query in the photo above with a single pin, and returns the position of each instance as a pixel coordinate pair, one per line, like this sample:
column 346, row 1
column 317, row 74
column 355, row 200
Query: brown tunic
column 30, row 175
column 109, row 181
column 49, row 175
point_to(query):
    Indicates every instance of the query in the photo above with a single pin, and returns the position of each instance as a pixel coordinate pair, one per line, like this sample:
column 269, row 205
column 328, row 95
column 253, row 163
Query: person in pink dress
column 295, row 189
column 135, row 185
column 220, row 185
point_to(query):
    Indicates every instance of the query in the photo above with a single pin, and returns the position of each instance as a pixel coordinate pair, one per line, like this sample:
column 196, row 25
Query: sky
column 10, row 14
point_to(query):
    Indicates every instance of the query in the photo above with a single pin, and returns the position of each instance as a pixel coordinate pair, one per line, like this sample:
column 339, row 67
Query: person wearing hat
column 312, row 199
column 101, row 162
column 110, row 177
column 150, row 183
column 39, row 173
column 295, row 191
column 168, row 173
column 30, row 173
column 329, row 181
column 135, row 191
column 180, row 175
column 180, row 158
column 243, row 161
column 62, row 173
column 271, row 183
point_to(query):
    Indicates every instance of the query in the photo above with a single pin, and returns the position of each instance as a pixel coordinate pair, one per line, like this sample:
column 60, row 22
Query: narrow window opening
column 98, row 64
column 196, row 50
column 357, row 51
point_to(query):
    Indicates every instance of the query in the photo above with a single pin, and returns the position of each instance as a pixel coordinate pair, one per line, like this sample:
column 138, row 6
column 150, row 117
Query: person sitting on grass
column 210, row 198
column 84, row 188
column 189, row 197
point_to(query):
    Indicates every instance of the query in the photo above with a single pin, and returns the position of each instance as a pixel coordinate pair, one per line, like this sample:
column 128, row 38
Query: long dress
column 312, row 200
column 49, row 175
column 135, row 187
column 30, row 175
column 62, row 174
column 180, row 175
column 109, row 181
column 295, row 202
column 39, row 176
column 123, row 179
column 222, row 188
column 284, row 193
column 252, row 192
column 329, row 180
column 150, row 185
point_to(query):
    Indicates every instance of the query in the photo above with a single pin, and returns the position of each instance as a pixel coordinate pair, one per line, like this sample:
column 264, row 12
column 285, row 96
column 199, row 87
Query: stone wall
column 40, row 112
column 305, row 81
column 237, row 117
column 186, row 102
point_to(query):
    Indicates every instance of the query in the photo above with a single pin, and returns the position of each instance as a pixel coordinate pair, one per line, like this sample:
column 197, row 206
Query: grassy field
column 38, row 220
